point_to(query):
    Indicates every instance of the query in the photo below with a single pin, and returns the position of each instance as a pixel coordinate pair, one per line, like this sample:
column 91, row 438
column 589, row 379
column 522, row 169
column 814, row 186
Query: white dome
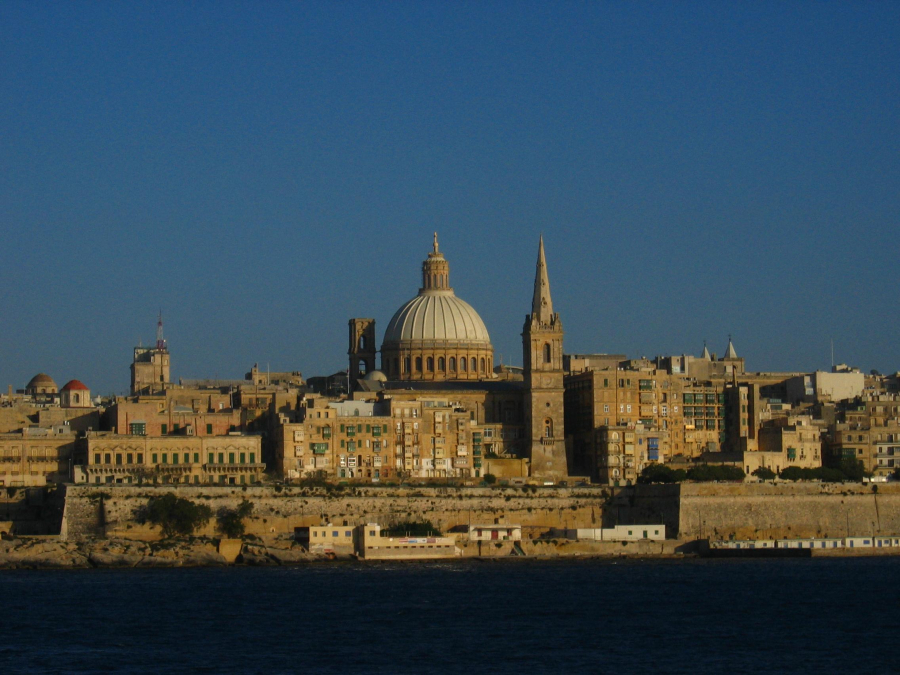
column 437, row 315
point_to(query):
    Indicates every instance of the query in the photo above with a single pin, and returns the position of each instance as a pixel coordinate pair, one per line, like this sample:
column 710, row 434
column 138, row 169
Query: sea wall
column 106, row 511
column 762, row 510
column 689, row 511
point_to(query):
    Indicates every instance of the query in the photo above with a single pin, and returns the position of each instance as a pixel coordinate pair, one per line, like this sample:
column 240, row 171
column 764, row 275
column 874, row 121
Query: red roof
column 74, row 384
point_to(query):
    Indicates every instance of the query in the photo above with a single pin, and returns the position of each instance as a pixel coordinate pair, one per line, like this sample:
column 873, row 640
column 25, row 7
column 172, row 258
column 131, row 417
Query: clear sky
column 264, row 171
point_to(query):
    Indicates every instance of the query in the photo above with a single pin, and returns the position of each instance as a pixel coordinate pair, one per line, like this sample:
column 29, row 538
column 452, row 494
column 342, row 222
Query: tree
column 489, row 478
column 231, row 521
column 852, row 468
column 176, row 515
column 764, row 473
column 412, row 528
column 660, row 473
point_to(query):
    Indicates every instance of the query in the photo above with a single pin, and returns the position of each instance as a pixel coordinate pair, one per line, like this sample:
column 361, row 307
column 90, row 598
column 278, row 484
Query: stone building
column 75, row 394
column 151, row 367
column 36, row 456
column 234, row 459
column 866, row 429
column 41, row 386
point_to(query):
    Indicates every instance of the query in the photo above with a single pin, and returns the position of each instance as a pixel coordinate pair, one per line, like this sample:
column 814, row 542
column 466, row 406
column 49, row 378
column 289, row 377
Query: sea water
column 515, row 616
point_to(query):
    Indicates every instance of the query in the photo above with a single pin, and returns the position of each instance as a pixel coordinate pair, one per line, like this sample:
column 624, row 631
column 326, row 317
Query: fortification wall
column 93, row 511
column 763, row 510
column 689, row 511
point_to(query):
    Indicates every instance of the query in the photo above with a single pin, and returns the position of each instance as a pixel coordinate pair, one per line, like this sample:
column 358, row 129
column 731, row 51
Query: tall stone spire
column 541, row 303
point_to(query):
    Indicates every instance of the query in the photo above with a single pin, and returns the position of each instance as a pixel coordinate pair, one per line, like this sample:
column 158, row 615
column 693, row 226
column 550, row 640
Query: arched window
column 362, row 342
column 482, row 364
column 430, row 363
column 441, row 364
column 548, row 428
column 418, row 364
column 462, row 364
column 75, row 398
column 452, row 364
column 547, row 352
column 474, row 364
column 406, row 364
column 362, row 367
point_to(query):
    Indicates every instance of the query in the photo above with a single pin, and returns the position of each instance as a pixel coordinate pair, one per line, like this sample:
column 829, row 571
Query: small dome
column 375, row 376
column 73, row 385
column 436, row 315
column 41, row 380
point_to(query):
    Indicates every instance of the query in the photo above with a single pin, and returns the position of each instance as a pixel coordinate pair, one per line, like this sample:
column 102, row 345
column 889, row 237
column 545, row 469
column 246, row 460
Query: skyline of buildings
column 440, row 408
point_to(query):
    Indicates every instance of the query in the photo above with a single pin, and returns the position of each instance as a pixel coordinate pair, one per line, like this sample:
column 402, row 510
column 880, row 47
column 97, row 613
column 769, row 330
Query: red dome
column 74, row 385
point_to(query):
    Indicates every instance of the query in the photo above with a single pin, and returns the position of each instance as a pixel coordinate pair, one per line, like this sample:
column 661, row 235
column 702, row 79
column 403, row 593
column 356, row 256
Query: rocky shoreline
column 52, row 553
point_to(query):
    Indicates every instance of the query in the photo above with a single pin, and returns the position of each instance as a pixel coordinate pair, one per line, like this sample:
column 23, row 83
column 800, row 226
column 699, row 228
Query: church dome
column 375, row 376
column 437, row 336
column 436, row 315
column 41, row 379
column 41, row 384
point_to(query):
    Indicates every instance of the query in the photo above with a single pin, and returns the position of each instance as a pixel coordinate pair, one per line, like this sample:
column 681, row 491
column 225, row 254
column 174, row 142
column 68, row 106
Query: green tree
column 412, row 528
column 489, row 478
column 852, row 468
column 764, row 473
column 660, row 473
column 176, row 516
column 231, row 521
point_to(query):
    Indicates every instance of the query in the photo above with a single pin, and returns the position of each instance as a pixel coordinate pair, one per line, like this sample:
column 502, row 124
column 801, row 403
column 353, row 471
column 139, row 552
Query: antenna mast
column 160, row 340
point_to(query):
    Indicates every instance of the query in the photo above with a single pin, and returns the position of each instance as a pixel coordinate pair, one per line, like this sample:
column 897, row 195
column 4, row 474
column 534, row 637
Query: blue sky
column 262, row 172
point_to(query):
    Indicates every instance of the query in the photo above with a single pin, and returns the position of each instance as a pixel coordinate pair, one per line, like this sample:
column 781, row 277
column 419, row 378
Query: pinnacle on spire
column 730, row 353
column 541, row 304
column 705, row 355
column 435, row 243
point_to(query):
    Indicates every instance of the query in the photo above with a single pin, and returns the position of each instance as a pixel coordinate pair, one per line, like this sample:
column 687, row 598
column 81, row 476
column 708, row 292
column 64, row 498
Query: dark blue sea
column 518, row 616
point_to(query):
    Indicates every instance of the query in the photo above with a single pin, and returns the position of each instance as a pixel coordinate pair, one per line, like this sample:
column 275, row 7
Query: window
column 175, row 427
column 97, row 459
column 253, row 458
column 474, row 365
column 196, row 458
column 140, row 458
column 482, row 364
column 452, row 364
column 548, row 428
column 209, row 429
column 406, row 364
column 430, row 363
column 441, row 364
column 221, row 458
column 212, row 458
column 165, row 429
column 547, row 352
column 462, row 364
column 243, row 458
column 108, row 460
column 418, row 364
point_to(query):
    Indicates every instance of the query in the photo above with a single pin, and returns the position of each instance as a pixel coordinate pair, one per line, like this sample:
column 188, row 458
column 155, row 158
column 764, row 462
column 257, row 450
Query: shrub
column 489, row 478
column 176, row 515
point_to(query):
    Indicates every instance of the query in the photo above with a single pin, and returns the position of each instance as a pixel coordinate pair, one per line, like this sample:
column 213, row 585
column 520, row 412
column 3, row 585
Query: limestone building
column 150, row 369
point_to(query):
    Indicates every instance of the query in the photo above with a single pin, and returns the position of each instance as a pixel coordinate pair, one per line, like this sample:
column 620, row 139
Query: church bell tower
column 542, row 347
column 362, row 349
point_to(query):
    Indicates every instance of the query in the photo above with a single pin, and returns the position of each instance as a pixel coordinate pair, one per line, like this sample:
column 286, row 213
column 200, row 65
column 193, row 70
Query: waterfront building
column 104, row 458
